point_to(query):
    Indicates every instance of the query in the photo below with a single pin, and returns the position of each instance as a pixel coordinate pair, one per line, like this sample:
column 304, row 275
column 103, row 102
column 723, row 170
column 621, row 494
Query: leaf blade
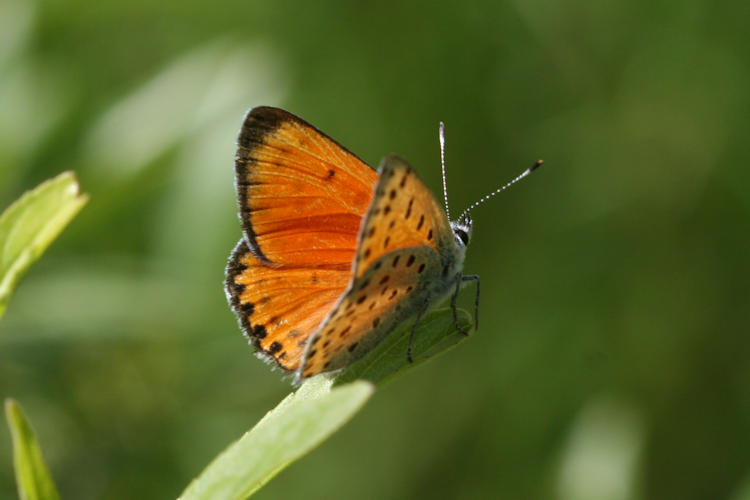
column 298, row 424
column 31, row 223
column 435, row 334
column 273, row 444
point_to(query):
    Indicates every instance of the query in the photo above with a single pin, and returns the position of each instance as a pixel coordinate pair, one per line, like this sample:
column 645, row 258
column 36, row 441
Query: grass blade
column 33, row 478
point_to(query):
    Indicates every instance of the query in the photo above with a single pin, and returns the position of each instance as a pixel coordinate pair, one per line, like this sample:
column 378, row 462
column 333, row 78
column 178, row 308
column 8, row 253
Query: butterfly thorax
column 452, row 260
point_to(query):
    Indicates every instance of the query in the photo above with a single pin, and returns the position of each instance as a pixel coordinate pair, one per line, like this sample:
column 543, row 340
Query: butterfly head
column 462, row 231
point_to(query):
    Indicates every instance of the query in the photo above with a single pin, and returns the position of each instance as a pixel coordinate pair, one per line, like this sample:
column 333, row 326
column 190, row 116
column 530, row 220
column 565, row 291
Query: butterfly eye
column 463, row 236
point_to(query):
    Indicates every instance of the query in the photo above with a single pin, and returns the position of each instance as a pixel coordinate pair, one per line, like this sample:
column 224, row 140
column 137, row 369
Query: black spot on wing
column 247, row 308
column 259, row 332
column 274, row 348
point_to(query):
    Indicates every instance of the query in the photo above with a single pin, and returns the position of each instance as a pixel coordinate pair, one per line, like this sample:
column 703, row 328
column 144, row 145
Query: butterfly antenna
column 525, row 173
column 441, row 134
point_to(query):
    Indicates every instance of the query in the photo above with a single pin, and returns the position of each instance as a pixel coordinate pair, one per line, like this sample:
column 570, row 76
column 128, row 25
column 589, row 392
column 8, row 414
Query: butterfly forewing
column 399, row 259
column 302, row 195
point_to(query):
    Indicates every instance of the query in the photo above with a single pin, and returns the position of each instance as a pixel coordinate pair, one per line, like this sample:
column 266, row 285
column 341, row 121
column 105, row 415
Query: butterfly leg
column 459, row 279
column 420, row 312
column 473, row 277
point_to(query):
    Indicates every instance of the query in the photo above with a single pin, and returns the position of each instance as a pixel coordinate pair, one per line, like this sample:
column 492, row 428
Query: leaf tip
column 10, row 405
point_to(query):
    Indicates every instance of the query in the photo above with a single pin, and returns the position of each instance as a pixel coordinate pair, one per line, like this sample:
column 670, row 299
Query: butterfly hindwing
column 387, row 294
column 280, row 307
column 399, row 260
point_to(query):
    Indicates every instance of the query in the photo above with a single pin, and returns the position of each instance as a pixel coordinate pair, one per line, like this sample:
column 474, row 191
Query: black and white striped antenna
column 523, row 174
column 465, row 213
column 441, row 134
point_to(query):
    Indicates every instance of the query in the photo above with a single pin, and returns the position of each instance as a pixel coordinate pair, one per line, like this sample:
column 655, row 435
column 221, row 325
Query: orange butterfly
column 334, row 254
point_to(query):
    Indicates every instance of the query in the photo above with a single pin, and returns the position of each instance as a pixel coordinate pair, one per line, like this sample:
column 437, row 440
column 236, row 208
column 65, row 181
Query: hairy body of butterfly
column 334, row 255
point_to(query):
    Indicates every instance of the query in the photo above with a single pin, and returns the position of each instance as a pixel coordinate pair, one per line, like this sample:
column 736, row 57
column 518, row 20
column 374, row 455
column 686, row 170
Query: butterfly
column 334, row 254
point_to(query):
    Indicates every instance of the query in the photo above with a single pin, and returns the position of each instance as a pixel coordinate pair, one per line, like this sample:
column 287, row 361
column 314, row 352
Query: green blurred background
column 613, row 360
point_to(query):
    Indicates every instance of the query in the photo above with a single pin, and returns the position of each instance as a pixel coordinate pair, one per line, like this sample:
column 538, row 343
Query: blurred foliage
column 613, row 359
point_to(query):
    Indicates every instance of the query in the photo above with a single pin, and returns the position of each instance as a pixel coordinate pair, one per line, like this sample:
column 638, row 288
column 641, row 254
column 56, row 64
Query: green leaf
column 30, row 224
column 298, row 424
column 318, row 408
column 33, row 478
column 435, row 334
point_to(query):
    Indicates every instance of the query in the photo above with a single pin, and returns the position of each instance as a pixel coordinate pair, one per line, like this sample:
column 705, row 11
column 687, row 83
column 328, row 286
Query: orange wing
column 405, row 251
column 302, row 195
column 404, row 213
column 302, row 198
